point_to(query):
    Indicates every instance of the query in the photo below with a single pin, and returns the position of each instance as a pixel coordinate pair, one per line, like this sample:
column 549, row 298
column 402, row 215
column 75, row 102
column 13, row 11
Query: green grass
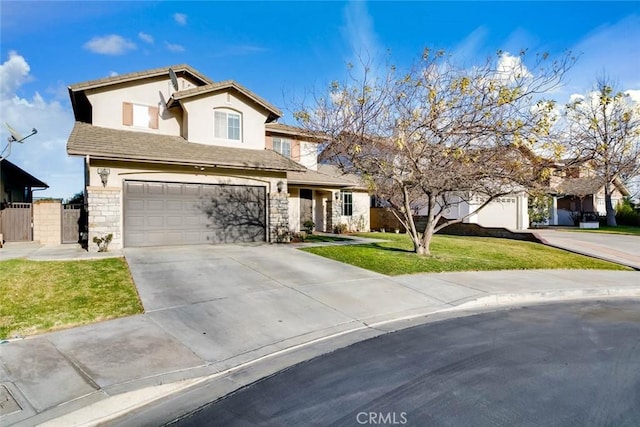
column 41, row 296
column 454, row 253
column 620, row 229
column 313, row 238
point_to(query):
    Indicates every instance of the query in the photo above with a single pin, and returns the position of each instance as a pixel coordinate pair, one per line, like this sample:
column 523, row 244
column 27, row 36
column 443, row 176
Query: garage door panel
column 191, row 189
column 175, row 213
column 155, row 188
column 155, row 221
column 176, row 205
column 155, row 205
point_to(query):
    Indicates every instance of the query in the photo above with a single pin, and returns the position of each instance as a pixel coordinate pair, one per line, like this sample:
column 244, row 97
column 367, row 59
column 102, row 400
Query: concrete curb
column 116, row 407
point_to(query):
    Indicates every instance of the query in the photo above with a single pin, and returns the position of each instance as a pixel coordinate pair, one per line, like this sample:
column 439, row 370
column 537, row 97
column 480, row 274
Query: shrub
column 340, row 228
column 626, row 214
column 308, row 226
column 103, row 242
column 539, row 208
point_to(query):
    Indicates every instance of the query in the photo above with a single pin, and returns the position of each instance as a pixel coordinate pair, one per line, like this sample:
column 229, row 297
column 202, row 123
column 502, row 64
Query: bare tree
column 604, row 132
column 439, row 135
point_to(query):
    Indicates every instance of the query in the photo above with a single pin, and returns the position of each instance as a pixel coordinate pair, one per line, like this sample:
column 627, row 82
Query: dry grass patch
column 41, row 296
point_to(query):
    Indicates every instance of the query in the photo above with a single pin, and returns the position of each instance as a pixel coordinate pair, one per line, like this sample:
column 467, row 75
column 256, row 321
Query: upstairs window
column 227, row 125
column 282, row 146
column 347, row 202
column 139, row 116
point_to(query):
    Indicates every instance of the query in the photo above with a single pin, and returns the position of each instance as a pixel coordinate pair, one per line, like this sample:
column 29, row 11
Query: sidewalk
column 97, row 373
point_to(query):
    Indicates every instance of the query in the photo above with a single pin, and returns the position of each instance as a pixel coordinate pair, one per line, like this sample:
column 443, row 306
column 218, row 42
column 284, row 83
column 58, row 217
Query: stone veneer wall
column 336, row 213
column 47, row 221
column 278, row 217
column 104, row 215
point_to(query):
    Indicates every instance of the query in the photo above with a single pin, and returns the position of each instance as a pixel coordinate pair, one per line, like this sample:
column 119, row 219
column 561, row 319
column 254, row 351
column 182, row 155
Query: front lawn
column 319, row 238
column 456, row 253
column 40, row 296
column 620, row 229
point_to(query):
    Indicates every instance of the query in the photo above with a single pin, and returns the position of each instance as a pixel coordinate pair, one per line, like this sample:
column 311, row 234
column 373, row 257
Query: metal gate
column 16, row 222
column 71, row 223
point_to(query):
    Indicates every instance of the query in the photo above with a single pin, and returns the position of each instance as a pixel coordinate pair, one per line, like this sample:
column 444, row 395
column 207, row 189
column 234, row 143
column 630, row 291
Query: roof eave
column 204, row 163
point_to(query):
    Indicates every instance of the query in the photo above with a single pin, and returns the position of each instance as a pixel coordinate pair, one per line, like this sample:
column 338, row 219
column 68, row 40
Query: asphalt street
column 558, row 364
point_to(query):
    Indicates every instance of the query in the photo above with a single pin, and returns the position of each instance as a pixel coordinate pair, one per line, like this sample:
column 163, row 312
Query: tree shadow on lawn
column 385, row 248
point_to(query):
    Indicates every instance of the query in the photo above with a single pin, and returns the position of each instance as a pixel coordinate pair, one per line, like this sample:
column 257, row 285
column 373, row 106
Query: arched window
column 227, row 124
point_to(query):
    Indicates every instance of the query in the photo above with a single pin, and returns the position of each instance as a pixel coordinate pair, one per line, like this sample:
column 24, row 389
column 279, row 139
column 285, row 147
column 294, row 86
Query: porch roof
column 327, row 176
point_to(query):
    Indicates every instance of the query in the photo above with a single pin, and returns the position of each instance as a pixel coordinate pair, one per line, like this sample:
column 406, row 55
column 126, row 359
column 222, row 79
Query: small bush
column 626, row 214
column 103, row 242
column 340, row 228
column 309, row 226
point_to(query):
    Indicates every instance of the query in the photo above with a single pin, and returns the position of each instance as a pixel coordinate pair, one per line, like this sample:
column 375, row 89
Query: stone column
column 278, row 217
column 104, row 215
column 554, row 211
column 336, row 211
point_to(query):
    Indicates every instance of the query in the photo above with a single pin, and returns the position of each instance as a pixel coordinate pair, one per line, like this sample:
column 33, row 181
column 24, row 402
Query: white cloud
column 172, row 47
column 359, row 32
column 113, row 73
column 13, row 73
column 467, row 49
column 634, row 94
column 510, row 68
column 44, row 154
column 180, row 18
column 612, row 50
column 147, row 38
column 112, row 44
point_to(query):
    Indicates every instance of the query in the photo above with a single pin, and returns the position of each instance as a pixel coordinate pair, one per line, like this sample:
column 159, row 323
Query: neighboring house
column 172, row 157
column 17, row 185
column 509, row 211
column 576, row 190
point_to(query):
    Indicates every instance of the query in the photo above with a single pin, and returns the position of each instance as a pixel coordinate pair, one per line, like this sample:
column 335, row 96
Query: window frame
column 233, row 124
column 151, row 118
column 282, row 142
column 346, row 198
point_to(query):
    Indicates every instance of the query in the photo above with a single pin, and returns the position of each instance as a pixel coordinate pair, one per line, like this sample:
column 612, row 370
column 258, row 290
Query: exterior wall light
column 280, row 186
column 104, row 175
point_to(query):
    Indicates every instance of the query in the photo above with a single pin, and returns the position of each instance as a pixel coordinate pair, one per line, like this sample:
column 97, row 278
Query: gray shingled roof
column 294, row 131
column 580, row 186
column 326, row 175
column 95, row 141
column 214, row 87
column 123, row 78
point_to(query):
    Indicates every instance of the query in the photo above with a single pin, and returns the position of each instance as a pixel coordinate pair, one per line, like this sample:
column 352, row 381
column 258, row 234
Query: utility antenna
column 174, row 79
column 15, row 136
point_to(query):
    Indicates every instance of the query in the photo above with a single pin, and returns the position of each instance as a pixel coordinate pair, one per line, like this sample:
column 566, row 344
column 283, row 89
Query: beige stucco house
column 172, row 157
column 576, row 190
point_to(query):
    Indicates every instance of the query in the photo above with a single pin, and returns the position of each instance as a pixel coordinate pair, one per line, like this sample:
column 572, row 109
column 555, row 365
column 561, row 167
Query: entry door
column 306, row 206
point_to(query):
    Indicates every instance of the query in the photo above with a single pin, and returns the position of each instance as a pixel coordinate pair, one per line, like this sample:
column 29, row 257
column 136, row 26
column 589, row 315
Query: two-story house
column 172, row 157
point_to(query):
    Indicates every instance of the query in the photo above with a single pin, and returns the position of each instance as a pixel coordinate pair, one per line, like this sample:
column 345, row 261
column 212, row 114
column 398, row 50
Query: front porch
column 322, row 206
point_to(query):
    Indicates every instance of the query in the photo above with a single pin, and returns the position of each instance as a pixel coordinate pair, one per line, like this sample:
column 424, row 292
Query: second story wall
column 303, row 152
column 138, row 106
column 224, row 119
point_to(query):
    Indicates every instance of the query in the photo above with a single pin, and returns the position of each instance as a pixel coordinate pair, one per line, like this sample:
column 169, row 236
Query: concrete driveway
column 223, row 302
column 620, row 248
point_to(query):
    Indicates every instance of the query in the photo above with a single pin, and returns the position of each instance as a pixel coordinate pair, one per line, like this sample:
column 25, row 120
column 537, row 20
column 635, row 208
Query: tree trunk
column 611, row 212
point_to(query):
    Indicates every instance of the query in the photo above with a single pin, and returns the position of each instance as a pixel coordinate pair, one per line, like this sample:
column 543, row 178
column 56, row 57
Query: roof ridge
column 135, row 75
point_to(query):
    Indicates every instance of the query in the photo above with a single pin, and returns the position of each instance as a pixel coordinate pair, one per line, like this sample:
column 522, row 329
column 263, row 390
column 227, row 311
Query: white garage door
column 165, row 213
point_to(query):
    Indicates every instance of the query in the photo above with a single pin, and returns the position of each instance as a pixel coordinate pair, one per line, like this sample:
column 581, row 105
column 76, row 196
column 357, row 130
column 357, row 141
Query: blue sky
column 279, row 50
